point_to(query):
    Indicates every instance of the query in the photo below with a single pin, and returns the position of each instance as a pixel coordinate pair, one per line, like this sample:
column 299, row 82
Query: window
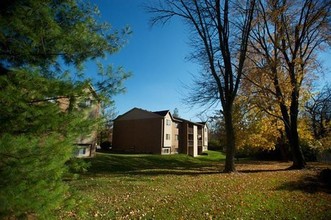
column 82, row 151
column 85, row 103
column 166, row 151
column 168, row 122
column 167, row 136
column 176, row 137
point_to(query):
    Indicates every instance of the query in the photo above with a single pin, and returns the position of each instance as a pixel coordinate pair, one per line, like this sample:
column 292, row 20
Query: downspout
column 162, row 134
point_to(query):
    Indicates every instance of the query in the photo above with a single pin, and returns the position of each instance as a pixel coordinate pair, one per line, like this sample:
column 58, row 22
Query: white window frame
column 166, row 150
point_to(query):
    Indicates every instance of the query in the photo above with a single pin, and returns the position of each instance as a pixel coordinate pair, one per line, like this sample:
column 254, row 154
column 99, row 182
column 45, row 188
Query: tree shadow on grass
column 150, row 165
column 180, row 164
column 176, row 172
column 309, row 184
column 253, row 166
column 262, row 171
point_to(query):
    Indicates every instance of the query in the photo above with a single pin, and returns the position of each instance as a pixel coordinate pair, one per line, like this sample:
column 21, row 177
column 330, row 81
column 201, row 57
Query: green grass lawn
column 182, row 187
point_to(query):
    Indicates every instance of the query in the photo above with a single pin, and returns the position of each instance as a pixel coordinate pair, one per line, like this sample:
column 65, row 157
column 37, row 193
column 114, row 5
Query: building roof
column 162, row 113
column 202, row 122
column 159, row 114
column 165, row 112
column 182, row 119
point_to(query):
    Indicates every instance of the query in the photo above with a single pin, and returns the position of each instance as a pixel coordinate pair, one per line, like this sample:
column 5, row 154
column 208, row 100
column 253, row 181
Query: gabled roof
column 156, row 114
column 162, row 113
column 202, row 122
column 147, row 114
column 185, row 120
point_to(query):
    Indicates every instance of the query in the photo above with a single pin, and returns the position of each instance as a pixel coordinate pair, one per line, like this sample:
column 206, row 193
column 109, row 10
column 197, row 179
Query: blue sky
column 156, row 58
column 154, row 55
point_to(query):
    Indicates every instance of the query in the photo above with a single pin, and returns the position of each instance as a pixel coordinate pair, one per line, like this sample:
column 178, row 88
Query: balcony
column 190, row 143
column 166, row 151
column 199, row 143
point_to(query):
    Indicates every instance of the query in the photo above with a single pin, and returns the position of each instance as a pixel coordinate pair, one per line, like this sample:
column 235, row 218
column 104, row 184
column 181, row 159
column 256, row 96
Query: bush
column 309, row 152
column 325, row 176
column 259, row 153
column 214, row 145
column 106, row 145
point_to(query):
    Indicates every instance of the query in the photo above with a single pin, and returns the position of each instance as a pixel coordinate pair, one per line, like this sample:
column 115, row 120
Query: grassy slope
column 182, row 187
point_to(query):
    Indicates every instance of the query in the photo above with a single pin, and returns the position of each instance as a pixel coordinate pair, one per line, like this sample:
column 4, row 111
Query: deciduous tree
column 286, row 37
column 220, row 32
column 318, row 109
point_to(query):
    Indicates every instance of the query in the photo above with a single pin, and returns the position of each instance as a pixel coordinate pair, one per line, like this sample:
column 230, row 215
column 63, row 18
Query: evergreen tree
column 175, row 113
column 36, row 134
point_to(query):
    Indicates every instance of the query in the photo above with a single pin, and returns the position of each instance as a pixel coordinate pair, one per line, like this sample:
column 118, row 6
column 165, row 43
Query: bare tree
column 220, row 33
column 285, row 39
column 319, row 112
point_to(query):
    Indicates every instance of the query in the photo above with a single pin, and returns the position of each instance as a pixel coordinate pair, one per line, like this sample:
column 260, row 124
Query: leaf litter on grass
column 257, row 191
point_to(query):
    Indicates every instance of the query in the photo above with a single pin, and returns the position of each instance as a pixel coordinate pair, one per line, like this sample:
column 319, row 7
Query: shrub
column 308, row 151
column 106, row 145
column 325, row 176
column 214, row 145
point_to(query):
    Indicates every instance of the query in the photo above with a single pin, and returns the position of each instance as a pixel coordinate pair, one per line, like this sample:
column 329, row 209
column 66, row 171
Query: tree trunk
column 291, row 123
column 230, row 141
column 298, row 158
column 283, row 147
column 291, row 130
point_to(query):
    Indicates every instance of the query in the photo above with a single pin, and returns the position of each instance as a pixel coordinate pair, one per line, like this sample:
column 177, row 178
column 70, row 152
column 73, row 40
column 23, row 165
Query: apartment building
column 142, row 131
column 89, row 104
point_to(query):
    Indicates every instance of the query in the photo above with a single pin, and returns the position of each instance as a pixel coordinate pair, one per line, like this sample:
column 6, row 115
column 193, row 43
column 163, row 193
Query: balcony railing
column 166, row 151
column 190, row 143
column 199, row 142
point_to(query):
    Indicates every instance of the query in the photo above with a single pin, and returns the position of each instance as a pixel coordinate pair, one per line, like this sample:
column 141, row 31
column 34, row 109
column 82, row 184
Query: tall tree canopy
column 285, row 39
column 220, row 32
column 43, row 47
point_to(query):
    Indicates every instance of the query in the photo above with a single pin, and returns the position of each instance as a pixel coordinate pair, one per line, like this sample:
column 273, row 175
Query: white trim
column 195, row 141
